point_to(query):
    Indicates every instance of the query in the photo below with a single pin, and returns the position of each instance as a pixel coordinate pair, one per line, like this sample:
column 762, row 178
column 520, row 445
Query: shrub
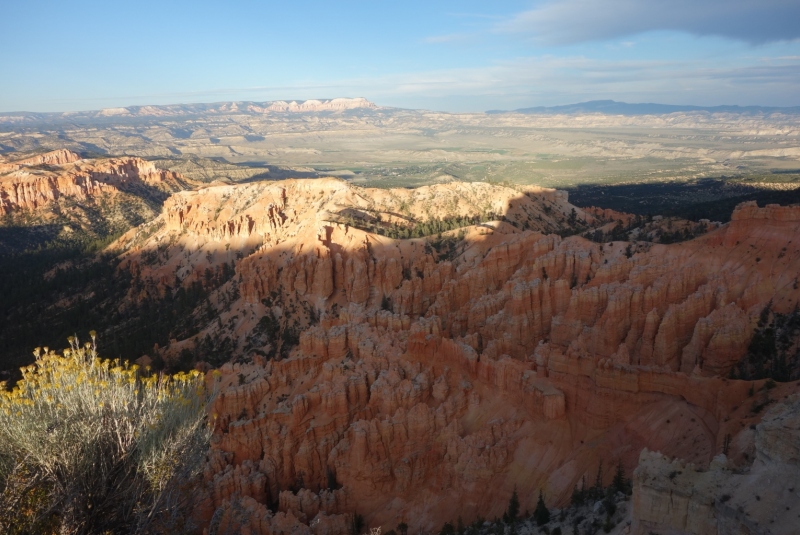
column 94, row 446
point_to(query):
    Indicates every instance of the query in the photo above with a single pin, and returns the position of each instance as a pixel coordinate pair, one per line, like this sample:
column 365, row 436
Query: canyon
column 418, row 355
column 58, row 198
column 405, row 382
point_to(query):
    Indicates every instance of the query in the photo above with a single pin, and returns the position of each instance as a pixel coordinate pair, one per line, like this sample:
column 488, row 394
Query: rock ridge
column 25, row 187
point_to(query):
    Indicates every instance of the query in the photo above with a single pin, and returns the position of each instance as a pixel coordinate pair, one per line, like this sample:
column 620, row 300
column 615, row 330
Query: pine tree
column 620, row 483
column 356, row 524
column 576, row 496
column 597, row 490
column 541, row 514
column 579, row 496
column 573, row 216
column 513, row 508
column 726, row 444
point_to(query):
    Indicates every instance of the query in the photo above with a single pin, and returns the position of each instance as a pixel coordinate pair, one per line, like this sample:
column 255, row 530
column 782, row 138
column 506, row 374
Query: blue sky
column 446, row 55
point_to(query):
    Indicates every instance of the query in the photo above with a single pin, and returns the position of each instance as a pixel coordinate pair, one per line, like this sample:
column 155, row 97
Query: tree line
column 418, row 229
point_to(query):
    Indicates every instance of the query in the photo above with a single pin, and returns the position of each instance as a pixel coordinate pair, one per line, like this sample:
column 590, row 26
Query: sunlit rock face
column 33, row 184
column 424, row 383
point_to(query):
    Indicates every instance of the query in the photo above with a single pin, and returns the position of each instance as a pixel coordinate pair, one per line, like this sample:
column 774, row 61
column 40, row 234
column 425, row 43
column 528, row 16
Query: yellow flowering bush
column 89, row 445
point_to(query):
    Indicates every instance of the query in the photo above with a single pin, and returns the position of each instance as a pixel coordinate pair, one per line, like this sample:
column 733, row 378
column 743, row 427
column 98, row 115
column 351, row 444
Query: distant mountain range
column 612, row 107
column 137, row 114
column 188, row 110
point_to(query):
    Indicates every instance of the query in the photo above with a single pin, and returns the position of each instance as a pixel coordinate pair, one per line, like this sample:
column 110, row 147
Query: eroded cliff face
column 674, row 497
column 428, row 382
column 336, row 104
column 56, row 157
column 35, row 183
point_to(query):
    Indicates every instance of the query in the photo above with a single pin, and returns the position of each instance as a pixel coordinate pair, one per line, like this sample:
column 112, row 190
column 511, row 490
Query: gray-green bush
column 93, row 446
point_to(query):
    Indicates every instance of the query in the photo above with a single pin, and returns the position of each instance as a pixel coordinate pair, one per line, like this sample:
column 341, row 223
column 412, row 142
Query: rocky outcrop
column 750, row 210
column 25, row 186
column 671, row 496
column 514, row 359
column 56, row 157
column 336, row 104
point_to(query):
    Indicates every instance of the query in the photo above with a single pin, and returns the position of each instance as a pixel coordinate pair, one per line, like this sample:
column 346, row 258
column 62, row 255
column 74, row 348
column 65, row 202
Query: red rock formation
column 607, row 215
column 56, row 157
column 24, row 187
column 429, row 389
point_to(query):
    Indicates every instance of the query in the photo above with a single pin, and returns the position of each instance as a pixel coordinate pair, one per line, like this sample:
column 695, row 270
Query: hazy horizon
column 379, row 105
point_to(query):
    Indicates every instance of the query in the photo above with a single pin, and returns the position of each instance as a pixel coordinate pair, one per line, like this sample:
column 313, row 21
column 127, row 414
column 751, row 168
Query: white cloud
column 553, row 80
column 572, row 21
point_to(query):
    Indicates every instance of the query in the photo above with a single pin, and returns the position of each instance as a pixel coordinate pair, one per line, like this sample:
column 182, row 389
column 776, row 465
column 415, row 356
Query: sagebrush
column 89, row 445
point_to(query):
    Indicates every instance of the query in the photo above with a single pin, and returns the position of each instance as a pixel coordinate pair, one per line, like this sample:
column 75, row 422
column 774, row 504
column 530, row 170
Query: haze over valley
column 737, row 153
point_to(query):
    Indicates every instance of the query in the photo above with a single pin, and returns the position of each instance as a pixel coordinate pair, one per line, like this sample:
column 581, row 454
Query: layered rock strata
column 35, row 183
column 56, row 157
